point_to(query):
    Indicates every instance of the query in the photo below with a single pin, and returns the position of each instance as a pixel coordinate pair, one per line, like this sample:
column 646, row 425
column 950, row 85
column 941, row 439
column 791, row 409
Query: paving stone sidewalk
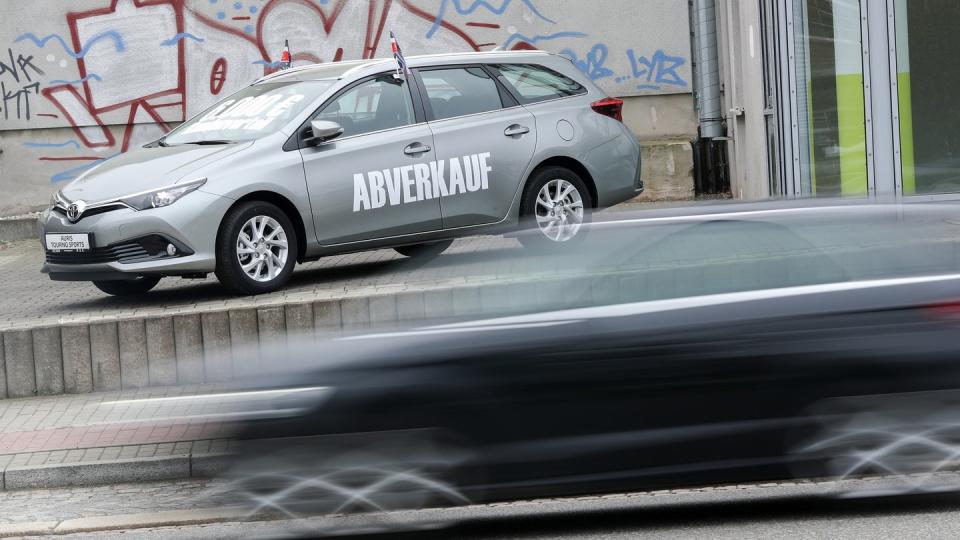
column 108, row 436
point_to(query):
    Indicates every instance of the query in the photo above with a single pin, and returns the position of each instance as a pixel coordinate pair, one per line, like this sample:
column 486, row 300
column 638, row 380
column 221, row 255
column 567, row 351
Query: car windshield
column 252, row 113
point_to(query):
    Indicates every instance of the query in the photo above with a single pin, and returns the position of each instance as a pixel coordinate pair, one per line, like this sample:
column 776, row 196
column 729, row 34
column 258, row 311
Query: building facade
column 848, row 98
column 84, row 80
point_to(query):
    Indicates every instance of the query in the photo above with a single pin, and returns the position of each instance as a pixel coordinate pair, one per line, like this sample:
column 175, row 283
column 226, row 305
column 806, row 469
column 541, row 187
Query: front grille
column 147, row 248
column 92, row 211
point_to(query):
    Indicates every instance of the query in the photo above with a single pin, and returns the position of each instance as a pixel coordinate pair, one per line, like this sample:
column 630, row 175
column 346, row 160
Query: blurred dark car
column 674, row 348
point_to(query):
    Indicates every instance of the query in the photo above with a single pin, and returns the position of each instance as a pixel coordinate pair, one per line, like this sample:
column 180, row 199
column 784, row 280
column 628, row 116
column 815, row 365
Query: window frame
column 526, row 101
column 507, row 99
column 296, row 141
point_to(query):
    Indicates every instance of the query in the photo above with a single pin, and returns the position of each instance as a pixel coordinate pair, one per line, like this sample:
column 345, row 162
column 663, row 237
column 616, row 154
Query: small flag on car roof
column 285, row 58
column 402, row 70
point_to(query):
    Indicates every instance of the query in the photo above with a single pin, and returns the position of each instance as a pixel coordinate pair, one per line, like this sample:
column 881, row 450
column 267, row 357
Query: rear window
column 536, row 83
column 460, row 91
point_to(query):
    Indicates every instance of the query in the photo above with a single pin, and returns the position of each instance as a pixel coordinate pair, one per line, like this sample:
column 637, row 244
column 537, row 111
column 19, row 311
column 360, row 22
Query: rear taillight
column 946, row 310
column 611, row 107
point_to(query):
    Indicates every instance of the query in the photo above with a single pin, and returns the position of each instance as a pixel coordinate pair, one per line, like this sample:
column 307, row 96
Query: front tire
column 133, row 287
column 256, row 248
column 424, row 251
column 555, row 206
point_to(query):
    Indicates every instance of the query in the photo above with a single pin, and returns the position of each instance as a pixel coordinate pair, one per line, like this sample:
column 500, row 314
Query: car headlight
column 159, row 198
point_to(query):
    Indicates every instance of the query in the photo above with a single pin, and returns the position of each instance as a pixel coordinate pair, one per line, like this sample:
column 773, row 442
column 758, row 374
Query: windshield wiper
column 210, row 141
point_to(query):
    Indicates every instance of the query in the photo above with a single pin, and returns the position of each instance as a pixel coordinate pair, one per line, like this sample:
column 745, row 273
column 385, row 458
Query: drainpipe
column 707, row 75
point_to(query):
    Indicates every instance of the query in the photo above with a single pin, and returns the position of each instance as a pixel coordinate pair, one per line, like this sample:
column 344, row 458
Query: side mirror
column 323, row 131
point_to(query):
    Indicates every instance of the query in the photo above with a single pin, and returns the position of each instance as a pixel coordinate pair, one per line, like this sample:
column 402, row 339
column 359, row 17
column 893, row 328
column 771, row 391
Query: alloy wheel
column 559, row 210
column 262, row 248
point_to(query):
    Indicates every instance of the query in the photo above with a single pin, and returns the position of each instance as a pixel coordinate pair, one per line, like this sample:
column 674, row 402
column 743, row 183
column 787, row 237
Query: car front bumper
column 127, row 243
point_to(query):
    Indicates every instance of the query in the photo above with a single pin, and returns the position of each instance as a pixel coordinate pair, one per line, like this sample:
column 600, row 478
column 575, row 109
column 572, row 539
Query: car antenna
column 402, row 70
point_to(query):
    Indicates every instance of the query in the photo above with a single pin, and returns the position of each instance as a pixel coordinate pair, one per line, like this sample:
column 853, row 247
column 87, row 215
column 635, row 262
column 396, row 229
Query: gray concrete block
column 326, row 316
column 48, row 361
column 410, row 307
column 272, row 327
column 466, row 301
column 104, row 472
column 355, row 313
column 299, row 320
column 18, row 359
column 494, row 300
column 217, row 365
column 438, row 304
column 667, row 171
column 3, row 378
column 383, row 310
column 19, row 228
column 161, row 352
column 244, row 342
column 105, row 356
column 77, row 364
column 210, row 465
column 605, row 290
column 134, row 365
column 188, row 340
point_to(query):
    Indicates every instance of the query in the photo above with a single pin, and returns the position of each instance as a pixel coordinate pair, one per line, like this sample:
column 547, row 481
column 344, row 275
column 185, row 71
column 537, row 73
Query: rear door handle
column 515, row 130
column 415, row 149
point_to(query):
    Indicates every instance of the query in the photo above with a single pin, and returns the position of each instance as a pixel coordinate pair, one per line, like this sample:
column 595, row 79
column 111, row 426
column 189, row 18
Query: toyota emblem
column 75, row 211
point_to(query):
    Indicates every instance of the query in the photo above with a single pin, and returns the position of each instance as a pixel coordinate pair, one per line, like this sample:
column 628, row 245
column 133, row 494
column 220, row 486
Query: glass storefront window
column 928, row 82
column 830, row 97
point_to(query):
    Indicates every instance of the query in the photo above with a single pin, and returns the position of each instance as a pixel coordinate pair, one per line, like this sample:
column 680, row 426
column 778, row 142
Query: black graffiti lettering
column 22, row 62
column 19, row 97
column 27, row 62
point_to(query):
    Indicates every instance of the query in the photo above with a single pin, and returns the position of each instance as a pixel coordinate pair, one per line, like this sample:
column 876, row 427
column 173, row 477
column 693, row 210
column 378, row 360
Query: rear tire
column 132, row 287
column 424, row 251
column 556, row 204
column 257, row 248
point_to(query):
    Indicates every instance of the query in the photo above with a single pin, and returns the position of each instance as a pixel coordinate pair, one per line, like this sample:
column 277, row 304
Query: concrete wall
column 83, row 80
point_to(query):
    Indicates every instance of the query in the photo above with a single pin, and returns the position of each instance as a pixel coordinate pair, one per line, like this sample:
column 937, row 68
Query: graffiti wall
column 114, row 73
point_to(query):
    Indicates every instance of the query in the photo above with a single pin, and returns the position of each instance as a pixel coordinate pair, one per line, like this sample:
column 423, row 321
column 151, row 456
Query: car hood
column 143, row 169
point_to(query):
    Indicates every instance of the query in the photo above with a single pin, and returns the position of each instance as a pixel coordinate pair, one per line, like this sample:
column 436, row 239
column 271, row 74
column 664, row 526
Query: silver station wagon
column 349, row 156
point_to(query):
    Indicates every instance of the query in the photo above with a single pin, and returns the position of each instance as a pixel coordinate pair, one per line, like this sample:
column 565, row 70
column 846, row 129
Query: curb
column 118, row 471
column 19, row 228
column 126, row 521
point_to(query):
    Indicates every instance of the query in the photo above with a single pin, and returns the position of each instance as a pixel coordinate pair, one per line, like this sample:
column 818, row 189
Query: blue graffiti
column 657, row 70
column 459, row 6
column 71, row 142
column 535, row 39
column 70, row 174
column 78, row 81
column 182, row 35
column 42, row 42
column 593, row 63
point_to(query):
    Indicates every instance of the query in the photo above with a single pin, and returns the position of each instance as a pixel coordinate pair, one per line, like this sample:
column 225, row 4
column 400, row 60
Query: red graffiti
column 151, row 98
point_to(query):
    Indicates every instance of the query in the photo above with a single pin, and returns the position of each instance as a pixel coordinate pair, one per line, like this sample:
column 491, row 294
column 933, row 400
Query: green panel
column 853, row 136
column 906, row 134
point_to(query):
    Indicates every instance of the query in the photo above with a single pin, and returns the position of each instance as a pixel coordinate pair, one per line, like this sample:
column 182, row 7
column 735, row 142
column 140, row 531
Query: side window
column 374, row 105
column 460, row 91
column 537, row 83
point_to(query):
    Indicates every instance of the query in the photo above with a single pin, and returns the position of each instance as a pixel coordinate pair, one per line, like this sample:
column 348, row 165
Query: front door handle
column 415, row 149
column 515, row 130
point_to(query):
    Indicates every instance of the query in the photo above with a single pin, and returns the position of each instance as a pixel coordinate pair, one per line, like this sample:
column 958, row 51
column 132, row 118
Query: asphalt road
column 778, row 510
